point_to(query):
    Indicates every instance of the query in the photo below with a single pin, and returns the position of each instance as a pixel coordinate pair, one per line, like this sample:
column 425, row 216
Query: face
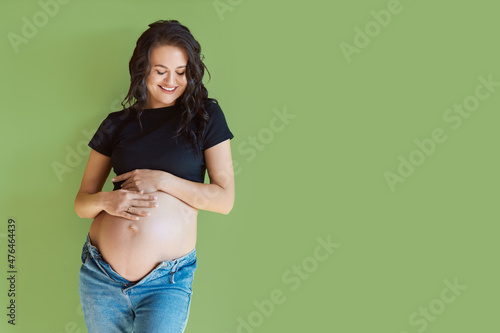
column 167, row 80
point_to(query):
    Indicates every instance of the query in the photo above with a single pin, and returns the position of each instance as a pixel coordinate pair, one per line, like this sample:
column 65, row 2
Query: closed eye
column 165, row 72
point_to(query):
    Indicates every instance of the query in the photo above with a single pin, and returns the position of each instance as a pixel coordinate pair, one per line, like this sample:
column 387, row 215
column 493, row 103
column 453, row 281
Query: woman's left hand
column 141, row 179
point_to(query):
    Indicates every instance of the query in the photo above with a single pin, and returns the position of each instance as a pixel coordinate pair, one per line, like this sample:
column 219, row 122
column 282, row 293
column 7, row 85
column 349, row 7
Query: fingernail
column 156, row 205
column 155, row 197
column 137, row 218
column 148, row 213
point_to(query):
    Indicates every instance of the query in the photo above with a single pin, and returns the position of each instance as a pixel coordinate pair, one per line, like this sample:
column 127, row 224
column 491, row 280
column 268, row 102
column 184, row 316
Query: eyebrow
column 167, row 67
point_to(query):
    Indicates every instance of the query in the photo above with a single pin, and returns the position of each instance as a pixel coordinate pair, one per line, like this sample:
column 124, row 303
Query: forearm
column 89, row 205
column 211, row 197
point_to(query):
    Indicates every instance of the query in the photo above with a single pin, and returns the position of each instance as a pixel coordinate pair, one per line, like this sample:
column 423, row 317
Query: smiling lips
column 168, row 90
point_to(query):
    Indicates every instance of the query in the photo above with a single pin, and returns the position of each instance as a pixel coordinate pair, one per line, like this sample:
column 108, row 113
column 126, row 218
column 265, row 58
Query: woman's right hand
column 127, row 204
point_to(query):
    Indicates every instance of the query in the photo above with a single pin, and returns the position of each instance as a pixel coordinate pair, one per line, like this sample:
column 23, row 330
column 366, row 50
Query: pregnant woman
column 139, row 257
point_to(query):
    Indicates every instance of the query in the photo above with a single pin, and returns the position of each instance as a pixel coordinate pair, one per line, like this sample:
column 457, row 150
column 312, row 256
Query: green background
column 320, row 176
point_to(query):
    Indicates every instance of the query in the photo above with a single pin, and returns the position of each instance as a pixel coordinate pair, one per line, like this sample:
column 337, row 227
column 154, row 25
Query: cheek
column 150, row 82
column 182, row 84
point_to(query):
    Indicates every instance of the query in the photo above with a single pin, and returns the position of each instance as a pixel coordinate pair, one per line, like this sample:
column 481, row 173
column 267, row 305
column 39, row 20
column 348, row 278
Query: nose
column 169, row 79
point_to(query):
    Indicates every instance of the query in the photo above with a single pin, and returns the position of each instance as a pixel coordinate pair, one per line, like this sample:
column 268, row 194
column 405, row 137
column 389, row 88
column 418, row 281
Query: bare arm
column 218, row 196
column 90, row 200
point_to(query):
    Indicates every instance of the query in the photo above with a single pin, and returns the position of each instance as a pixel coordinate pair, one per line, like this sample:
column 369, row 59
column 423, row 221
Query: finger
column 130, row 216
column 147, row 197
column 129, row 186
column 126, row 181
column 121, row 177
column 143, row 203
column 138, row 212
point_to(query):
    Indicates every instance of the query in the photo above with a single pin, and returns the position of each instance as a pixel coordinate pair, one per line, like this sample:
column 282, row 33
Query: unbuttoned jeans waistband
column 169, row 265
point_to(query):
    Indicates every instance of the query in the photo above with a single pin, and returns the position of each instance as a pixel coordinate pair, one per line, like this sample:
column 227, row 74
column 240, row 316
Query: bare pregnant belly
column 135, row 248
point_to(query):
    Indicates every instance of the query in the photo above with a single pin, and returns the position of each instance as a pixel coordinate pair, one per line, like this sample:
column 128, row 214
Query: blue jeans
column 159, row 302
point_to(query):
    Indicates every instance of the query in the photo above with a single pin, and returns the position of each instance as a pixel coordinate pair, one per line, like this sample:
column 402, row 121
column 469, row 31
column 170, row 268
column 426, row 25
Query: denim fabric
column 159, row 302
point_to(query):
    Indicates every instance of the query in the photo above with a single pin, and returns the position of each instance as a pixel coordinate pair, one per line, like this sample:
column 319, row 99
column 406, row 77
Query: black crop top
column 119, row 137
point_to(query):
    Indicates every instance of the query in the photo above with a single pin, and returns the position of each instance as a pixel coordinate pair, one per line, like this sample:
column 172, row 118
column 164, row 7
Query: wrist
column 101, row 200
column 165, row 179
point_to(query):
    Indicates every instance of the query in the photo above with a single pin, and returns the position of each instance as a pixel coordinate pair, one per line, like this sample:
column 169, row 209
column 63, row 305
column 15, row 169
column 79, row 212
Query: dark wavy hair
column 173, row 33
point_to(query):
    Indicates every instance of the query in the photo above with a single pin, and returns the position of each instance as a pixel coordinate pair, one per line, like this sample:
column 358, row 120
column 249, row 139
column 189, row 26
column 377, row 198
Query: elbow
column 82, row 215
column 227, row 209
column 87, row 205
column 77, row 209
column 80, row 212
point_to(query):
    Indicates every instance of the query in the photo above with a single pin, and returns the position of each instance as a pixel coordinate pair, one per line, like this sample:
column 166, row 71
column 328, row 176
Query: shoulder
column 211, row 104
column 117, row 117
column 120, row 115
column 212, row 107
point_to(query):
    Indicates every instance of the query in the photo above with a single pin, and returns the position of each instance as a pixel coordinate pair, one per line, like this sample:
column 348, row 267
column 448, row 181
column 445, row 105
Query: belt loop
column 84, row 254
column 173, row 270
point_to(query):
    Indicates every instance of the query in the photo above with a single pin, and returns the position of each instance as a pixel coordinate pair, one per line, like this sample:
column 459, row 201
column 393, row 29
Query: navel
column 133, row 227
